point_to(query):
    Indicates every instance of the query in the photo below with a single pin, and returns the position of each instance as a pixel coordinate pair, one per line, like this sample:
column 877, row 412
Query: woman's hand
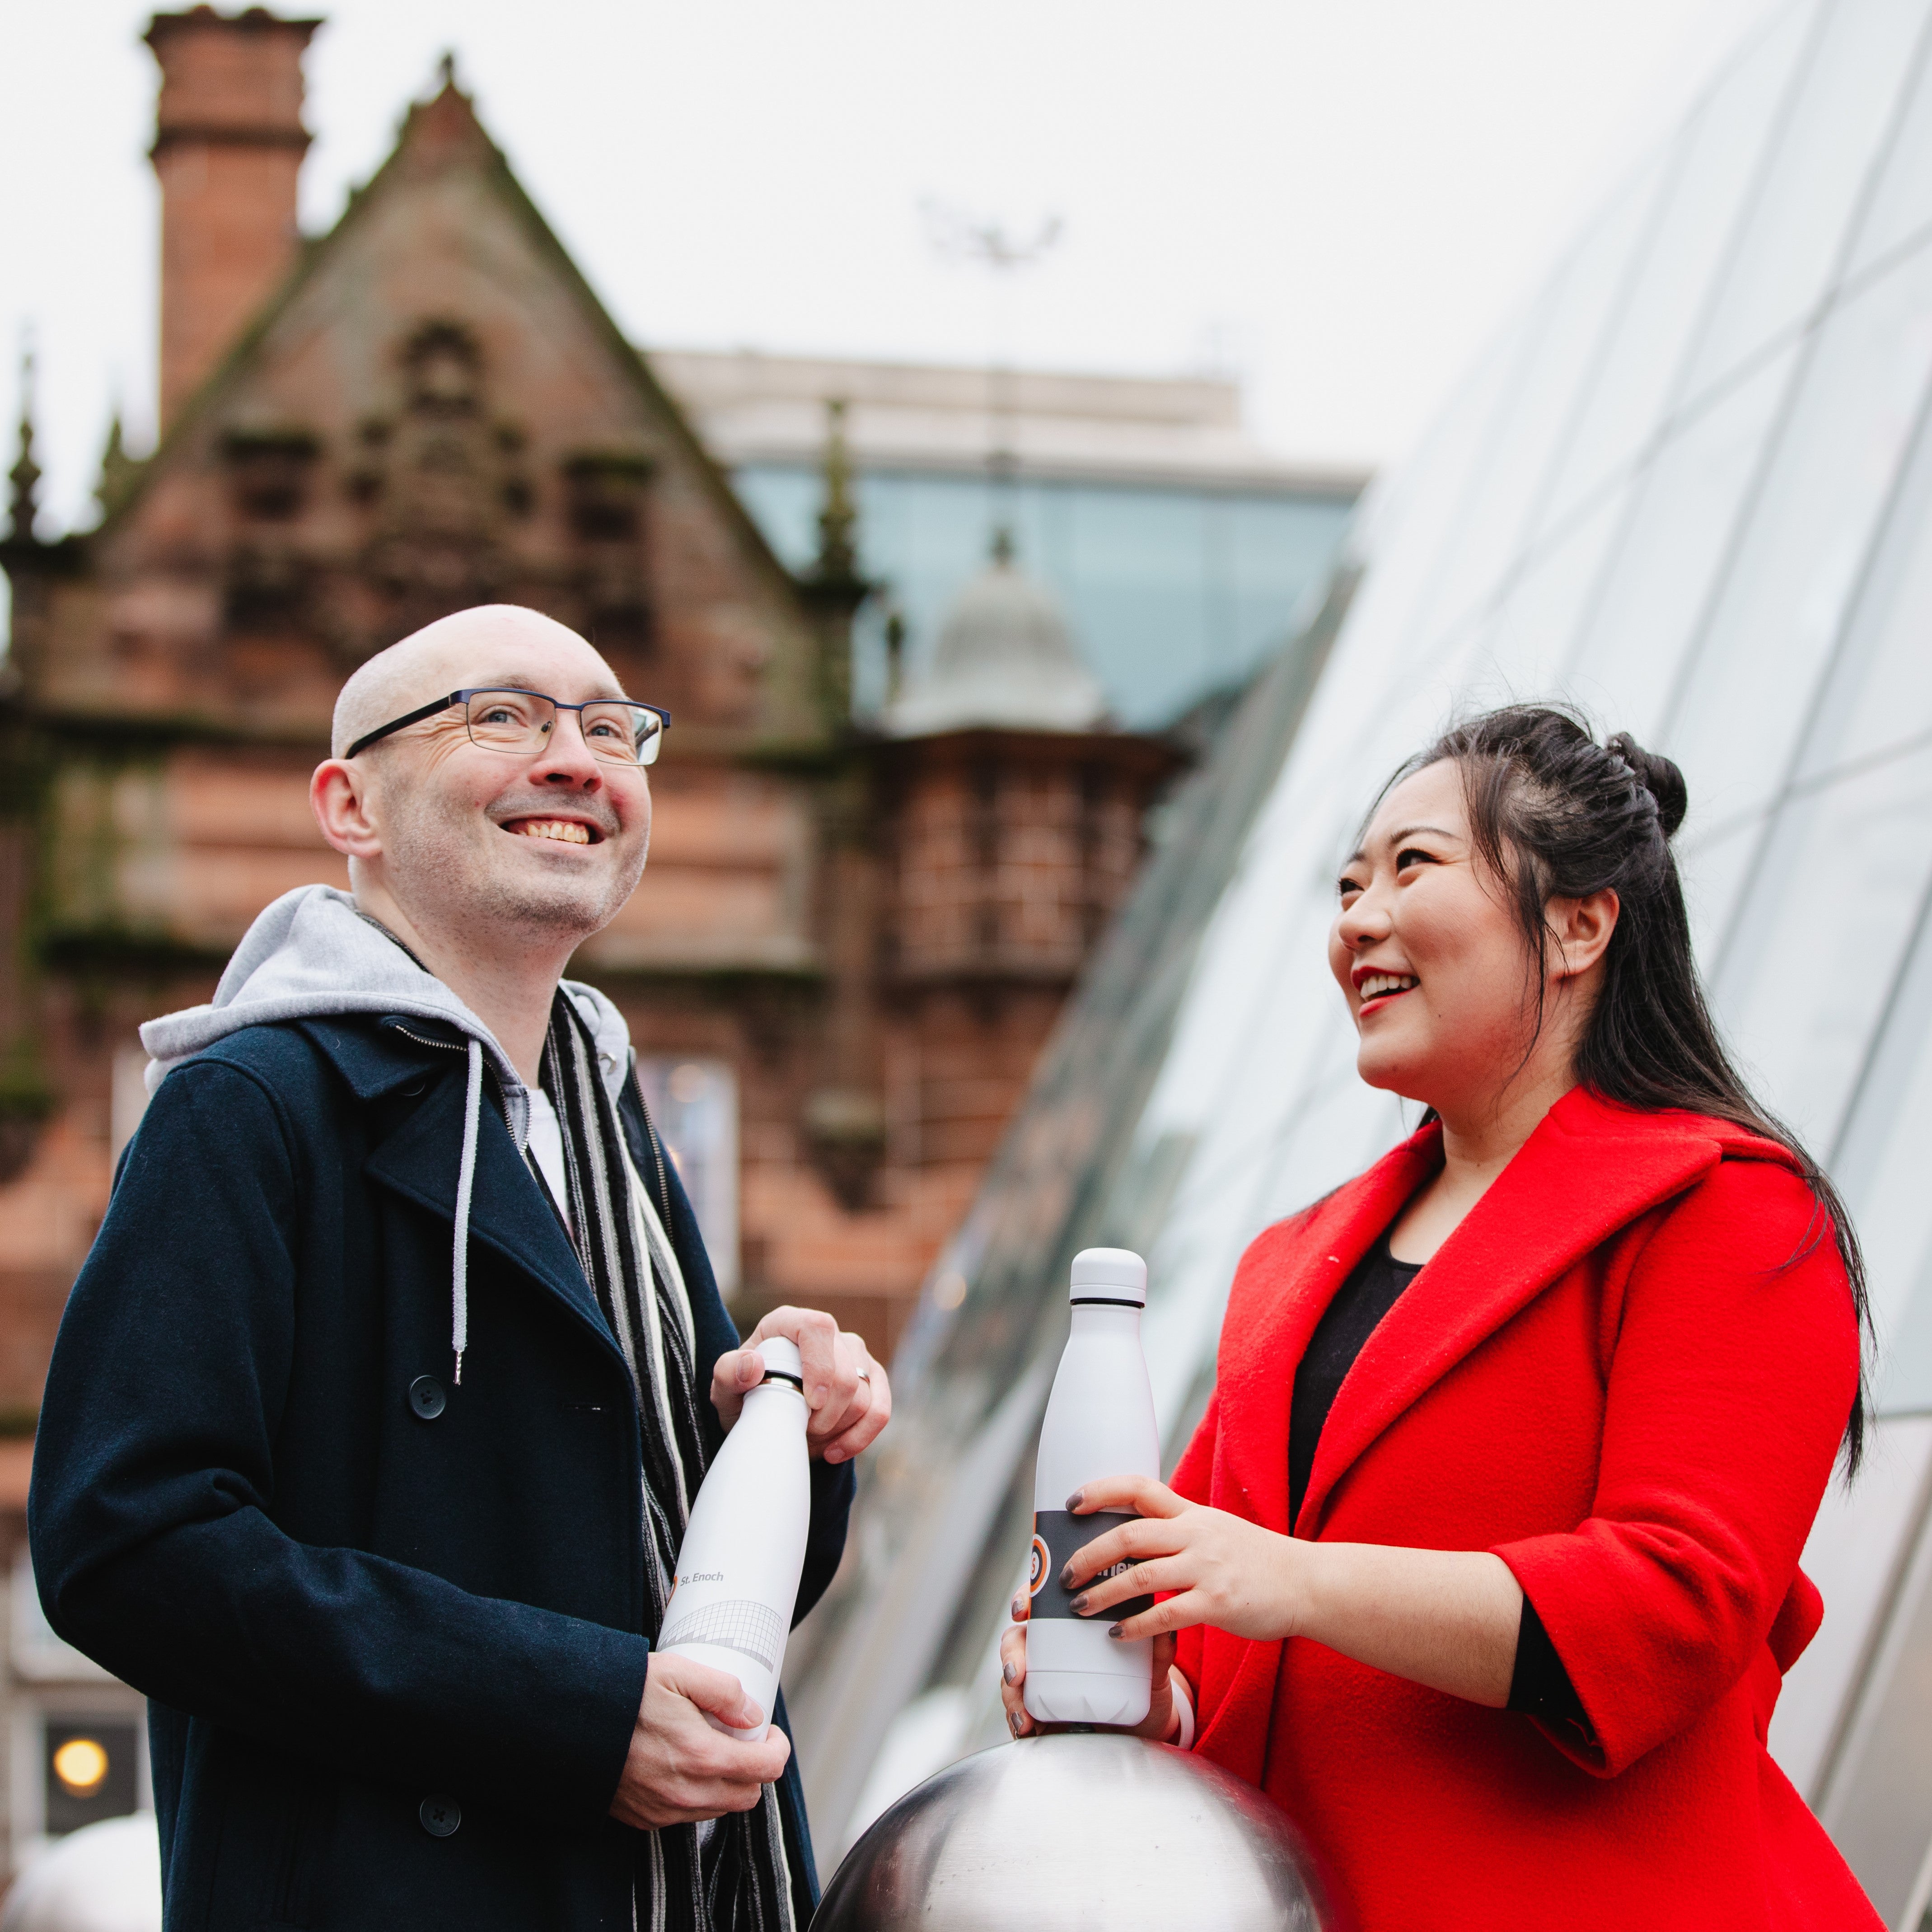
column 1224, row 1570
column 847, row 1393
column 1160, row 1723
column 1448, row 1618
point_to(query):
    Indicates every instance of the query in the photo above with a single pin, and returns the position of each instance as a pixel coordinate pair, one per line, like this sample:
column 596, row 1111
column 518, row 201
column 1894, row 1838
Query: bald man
column 375, row 1416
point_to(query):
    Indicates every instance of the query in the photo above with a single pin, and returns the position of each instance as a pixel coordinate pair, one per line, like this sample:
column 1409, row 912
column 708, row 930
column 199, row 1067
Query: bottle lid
column 781, row 1358
column 1109, row 1274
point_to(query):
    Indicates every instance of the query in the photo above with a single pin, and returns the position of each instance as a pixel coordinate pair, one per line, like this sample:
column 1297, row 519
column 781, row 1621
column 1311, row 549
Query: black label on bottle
column 1057, row 1536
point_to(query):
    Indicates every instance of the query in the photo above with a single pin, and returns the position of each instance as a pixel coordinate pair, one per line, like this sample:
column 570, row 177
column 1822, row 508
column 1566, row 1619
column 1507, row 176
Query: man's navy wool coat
column 356, row 1620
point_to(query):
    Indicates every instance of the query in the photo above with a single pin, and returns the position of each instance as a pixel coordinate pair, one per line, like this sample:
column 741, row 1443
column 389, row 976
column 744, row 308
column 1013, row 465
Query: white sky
column 1334, row 199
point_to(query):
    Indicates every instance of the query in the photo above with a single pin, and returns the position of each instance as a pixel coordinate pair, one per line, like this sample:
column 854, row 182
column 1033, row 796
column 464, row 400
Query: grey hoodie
column 312, row 955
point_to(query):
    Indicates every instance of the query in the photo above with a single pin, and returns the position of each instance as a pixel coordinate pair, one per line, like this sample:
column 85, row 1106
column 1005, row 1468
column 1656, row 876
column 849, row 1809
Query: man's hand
column 846, row 1391
column 679, row 1769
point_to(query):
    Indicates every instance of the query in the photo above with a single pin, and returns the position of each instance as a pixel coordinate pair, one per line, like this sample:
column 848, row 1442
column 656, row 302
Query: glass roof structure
column 1177, row 588
column 1182, row 551
column 1689, row 486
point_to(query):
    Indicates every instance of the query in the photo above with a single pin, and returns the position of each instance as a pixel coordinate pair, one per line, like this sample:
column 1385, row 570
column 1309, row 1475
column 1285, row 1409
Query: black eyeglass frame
column 463, row 698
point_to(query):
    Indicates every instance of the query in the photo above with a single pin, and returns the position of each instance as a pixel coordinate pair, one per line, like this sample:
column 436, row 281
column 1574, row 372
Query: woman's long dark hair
column 1556, row 815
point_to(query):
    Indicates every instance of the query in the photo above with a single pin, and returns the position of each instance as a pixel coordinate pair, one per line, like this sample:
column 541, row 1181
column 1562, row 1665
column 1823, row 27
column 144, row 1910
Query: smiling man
column 375, row 1414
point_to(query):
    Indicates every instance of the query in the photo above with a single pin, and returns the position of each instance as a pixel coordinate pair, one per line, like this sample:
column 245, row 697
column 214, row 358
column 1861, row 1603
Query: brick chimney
column 229, row 142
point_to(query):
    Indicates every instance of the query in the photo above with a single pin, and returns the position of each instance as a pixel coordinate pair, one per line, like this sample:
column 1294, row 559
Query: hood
column 312, row 955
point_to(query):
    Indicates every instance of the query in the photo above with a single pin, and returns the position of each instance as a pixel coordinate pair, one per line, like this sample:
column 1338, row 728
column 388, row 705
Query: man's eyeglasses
column 505, row 719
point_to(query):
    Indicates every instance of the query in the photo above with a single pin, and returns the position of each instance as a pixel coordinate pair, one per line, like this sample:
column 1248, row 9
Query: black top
column 1539, row 1685
column 1374, row 1288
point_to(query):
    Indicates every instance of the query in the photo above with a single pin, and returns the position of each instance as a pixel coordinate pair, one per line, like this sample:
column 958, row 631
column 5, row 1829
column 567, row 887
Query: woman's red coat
column 1615, row 1376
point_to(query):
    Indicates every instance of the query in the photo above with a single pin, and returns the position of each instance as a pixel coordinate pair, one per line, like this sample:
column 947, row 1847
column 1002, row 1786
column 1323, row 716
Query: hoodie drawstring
column 466, row 1175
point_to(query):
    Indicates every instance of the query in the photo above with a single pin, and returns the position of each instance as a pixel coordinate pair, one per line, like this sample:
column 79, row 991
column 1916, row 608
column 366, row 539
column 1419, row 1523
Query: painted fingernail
column 1079, row 1605
column 1067, row 1577
column 1008, row 1673
column 1115, row 1631
column 1019, row 1608
column 1018, row 1722
column 1074, row 1501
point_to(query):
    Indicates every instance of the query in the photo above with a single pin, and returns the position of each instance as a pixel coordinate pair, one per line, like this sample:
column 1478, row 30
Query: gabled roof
column 436, row 133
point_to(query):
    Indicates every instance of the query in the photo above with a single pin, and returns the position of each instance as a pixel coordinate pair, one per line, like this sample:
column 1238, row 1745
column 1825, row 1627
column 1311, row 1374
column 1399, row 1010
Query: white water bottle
column 1099, row 1422
column 744, row 1547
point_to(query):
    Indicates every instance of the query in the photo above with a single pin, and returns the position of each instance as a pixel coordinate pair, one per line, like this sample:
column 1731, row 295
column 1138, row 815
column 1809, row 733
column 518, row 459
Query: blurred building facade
column 1689, row 485
column 1178, row 547
column 854, row 937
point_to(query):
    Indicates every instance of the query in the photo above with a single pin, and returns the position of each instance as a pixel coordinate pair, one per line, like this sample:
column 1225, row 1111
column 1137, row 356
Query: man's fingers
column 717, row 1691
column 881, row 1411
column 738, row 1368
column 816, row 1335
column 818, row 1350
column 858, row 1427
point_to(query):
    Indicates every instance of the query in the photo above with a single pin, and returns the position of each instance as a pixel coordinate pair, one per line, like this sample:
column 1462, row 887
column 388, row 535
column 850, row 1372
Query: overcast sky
column 1334, row 200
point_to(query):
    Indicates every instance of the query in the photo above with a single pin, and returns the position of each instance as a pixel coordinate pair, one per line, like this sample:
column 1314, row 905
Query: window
column 694, row 1106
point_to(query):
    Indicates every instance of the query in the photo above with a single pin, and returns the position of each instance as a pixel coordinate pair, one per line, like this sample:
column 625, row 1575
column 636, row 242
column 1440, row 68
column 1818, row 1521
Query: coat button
column 427, row 1399
column 440, row 1816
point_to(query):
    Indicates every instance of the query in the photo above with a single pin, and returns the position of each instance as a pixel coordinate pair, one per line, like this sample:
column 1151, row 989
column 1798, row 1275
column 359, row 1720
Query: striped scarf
column 749, row 1874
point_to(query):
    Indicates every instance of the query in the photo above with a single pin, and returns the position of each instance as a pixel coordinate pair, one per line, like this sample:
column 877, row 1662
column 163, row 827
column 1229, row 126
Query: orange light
column 81, row 1765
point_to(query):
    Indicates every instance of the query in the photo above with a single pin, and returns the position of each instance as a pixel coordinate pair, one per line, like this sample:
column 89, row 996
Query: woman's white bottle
column 744, row 1547
column 1099, row 1422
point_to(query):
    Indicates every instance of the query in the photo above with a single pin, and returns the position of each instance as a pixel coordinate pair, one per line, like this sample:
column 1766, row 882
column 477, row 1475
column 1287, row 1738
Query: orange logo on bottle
column 1037, row 1563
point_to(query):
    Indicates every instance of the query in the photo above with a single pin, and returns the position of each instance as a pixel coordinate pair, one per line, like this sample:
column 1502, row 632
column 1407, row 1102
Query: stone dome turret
column 1007, row 658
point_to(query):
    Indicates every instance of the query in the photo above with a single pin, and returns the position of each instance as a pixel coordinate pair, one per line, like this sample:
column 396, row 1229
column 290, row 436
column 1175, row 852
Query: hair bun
column 1661, row 778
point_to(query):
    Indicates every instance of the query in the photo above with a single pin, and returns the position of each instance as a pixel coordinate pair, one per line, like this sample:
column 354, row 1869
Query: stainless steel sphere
column 1092, row 1832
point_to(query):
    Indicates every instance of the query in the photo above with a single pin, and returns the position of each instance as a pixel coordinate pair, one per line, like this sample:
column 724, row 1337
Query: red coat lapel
column 1589, row 1169
column 1280, row 1292
column 1285, row 1282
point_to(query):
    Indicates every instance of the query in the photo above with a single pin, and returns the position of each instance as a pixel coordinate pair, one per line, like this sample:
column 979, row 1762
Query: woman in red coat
column 1484, row 1560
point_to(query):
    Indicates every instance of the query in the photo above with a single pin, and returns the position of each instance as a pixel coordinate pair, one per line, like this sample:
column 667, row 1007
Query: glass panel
column 1717, row 158
column 1661, row 571
column 1713, row 869
column 1344, row 1126
column 1194, row 1261
column 1901, row 204
column 1878, row 694
column 1882, row 1156
column 1565, row 345
column 1852, row 1549
column 1535, row 631
column 1876, row 1798
column 1621, row 251
column 1259, row 999
column 1804, row 979
column 1746, row 689
column 1823, row 154
column 1173, row 591
column 1408, row 533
